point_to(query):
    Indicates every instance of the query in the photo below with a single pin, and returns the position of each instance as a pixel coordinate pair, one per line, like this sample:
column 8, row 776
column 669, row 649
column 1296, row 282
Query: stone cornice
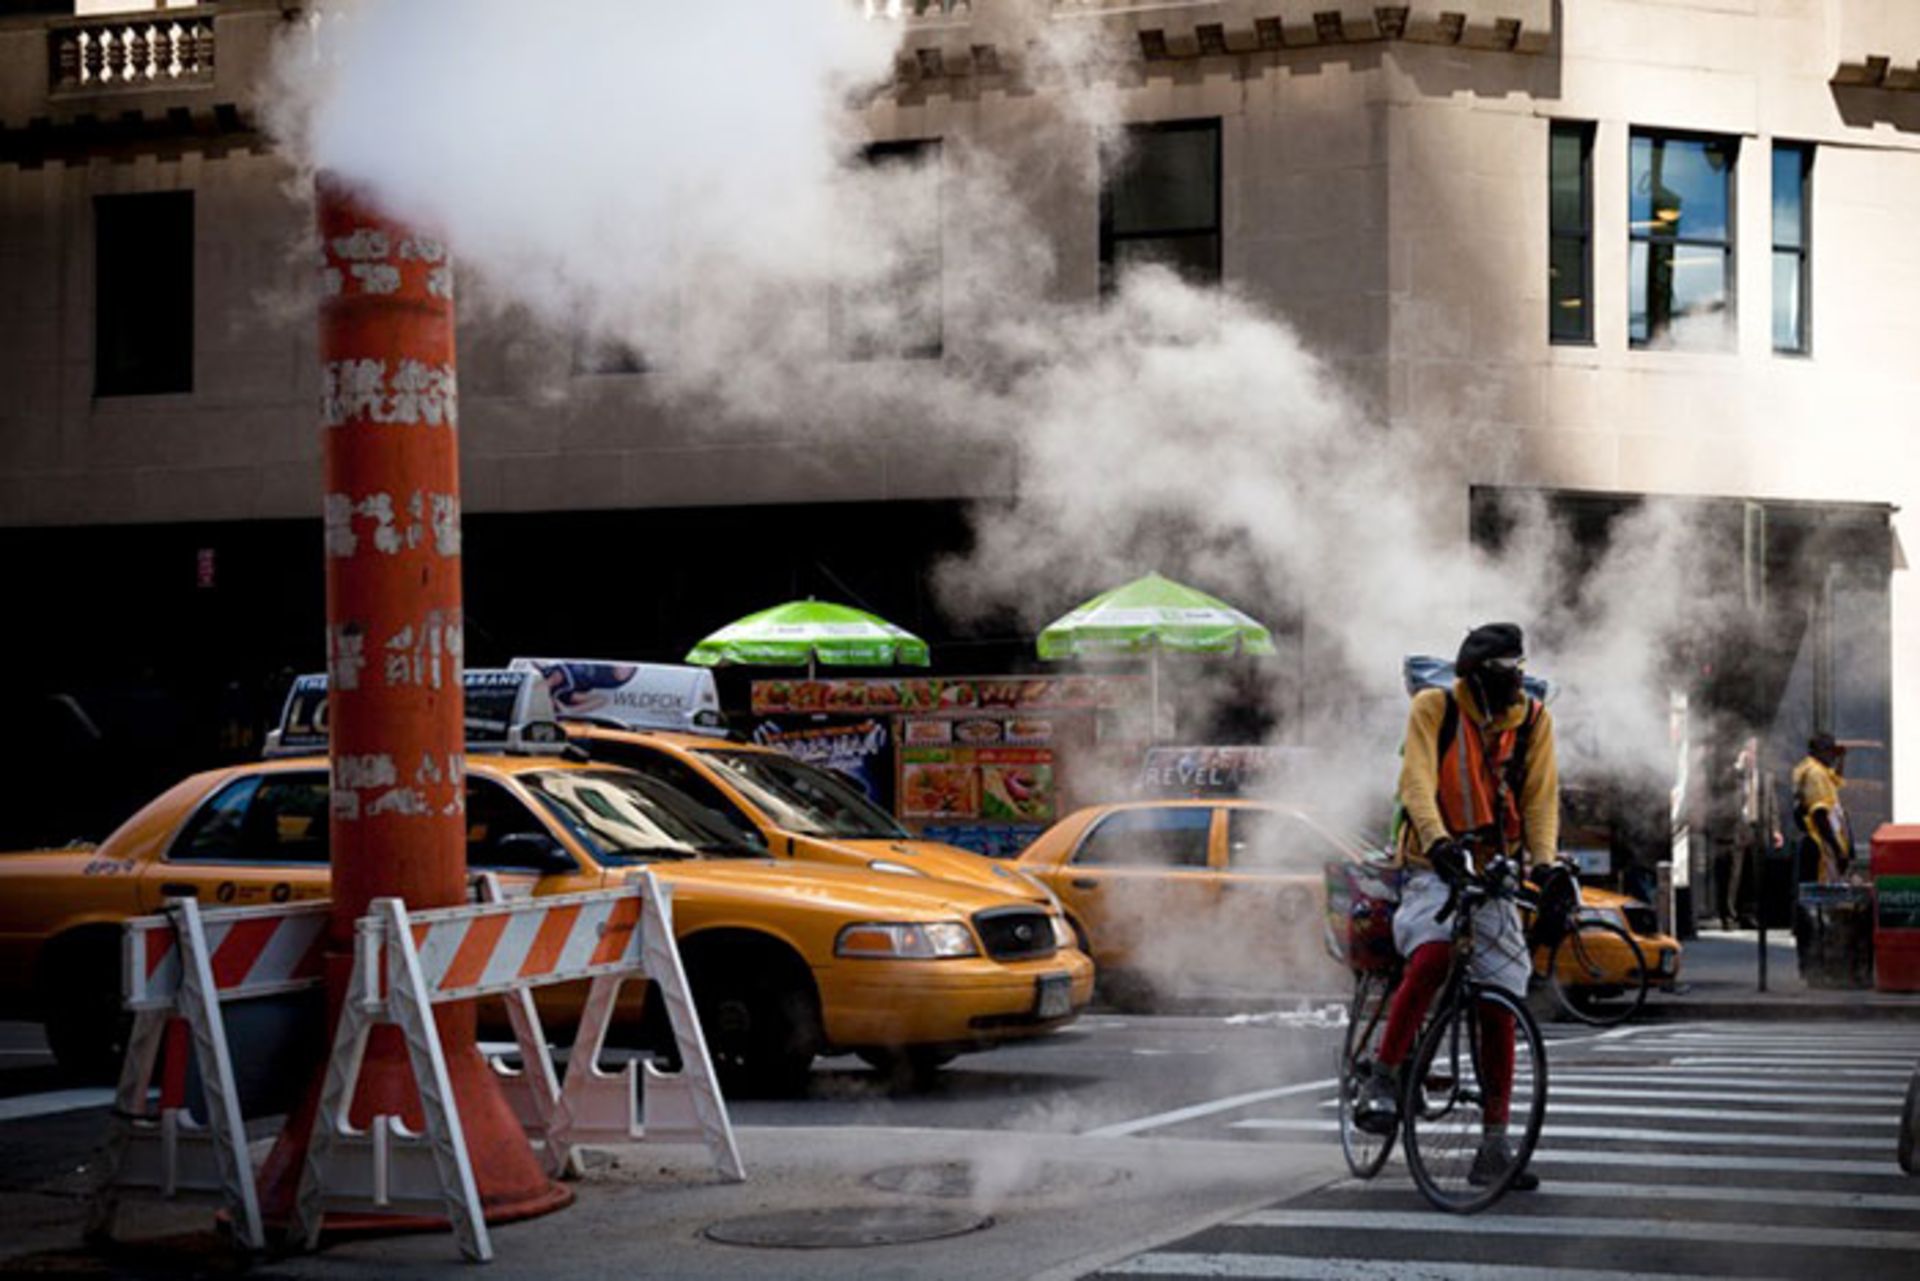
column 956, row 45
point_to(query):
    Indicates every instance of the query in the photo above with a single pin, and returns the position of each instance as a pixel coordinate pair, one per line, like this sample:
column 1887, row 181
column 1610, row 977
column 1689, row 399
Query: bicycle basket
column 1361, row 898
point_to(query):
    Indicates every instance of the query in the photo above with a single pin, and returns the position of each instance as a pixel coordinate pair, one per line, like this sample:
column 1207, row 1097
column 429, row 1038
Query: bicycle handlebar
column 1501, row 879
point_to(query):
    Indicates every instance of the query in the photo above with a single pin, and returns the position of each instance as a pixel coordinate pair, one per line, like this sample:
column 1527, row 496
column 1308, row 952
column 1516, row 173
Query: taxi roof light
column 507, row 711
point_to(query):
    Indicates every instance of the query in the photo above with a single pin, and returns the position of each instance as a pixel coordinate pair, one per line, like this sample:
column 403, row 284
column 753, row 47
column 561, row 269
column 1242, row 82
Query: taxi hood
column 951, row 863
column 852, row 889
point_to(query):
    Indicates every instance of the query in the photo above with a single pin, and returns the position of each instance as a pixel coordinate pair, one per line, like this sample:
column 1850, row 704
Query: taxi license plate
column 1053, row 996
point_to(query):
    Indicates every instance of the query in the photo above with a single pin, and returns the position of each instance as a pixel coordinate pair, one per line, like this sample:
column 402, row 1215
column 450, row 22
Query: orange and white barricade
column 183, row 964
column 406, row 963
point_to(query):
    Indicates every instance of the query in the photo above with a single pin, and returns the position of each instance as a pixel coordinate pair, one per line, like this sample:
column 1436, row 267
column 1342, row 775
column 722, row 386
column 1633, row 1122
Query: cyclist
column 1479, row 779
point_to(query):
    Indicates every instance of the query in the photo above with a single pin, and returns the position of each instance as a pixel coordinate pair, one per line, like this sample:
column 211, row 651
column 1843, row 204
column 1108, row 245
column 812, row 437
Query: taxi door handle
column 1084, row 883
column 178, row 889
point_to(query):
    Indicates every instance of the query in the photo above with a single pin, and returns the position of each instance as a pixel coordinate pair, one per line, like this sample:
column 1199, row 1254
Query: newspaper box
column 1896, row 892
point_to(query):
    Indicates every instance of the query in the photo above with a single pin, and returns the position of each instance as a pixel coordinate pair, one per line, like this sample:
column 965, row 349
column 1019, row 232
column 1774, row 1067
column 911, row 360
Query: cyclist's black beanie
column 1489, row 640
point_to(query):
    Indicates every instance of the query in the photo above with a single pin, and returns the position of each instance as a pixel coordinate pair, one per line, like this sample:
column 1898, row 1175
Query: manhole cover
column 960, row 1179
column 846, row 1226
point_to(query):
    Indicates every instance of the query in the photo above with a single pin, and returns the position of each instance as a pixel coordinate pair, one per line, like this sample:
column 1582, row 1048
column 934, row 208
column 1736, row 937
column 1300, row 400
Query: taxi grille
column 1015, row 933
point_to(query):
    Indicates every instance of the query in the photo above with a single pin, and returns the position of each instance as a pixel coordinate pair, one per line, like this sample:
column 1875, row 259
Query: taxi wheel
column 80, row 994
column 761, row 1024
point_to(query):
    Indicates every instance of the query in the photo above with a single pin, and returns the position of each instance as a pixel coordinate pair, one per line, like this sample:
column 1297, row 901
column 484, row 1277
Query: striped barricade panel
column 253, row 951
column 491, row 948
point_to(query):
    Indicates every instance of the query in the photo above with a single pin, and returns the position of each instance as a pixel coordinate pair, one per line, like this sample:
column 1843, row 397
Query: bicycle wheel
column 1366, row 1021
column 1598, row 973
column 1446, row 1101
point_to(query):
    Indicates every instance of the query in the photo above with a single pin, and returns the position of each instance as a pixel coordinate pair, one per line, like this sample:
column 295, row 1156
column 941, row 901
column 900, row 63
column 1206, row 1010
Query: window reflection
column 1680, row 261
column 1792, row 246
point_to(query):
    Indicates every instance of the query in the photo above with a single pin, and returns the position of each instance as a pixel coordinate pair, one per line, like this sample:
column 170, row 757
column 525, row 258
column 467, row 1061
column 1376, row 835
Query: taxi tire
column 79, row 996
column 762, row 1025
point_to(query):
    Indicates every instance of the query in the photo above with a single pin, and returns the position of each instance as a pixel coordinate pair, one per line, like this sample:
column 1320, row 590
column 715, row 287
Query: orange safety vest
column 1479, row 784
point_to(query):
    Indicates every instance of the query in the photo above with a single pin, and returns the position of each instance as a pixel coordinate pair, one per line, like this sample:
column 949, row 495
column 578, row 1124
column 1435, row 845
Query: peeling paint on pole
column 389, row 414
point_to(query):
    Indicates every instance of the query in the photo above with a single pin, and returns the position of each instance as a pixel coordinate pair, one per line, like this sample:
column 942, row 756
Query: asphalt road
column 1174, row 1146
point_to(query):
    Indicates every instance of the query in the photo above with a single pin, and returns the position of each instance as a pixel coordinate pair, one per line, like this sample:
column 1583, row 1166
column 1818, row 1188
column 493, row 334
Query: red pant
column 1426, row 970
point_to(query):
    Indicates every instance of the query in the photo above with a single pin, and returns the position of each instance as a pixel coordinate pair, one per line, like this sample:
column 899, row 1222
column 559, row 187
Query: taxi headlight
column 1063, row 934
column 896, row 941
column 899, row 869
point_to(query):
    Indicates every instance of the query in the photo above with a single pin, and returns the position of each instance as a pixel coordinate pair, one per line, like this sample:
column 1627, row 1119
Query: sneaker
column 1492, row 1160
column 1377, row 1111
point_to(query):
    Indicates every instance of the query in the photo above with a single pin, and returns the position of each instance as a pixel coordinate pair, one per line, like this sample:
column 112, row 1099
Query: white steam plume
column 679, row 180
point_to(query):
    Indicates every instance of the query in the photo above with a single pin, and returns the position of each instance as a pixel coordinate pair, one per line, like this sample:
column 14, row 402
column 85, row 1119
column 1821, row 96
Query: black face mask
column 1496, row 690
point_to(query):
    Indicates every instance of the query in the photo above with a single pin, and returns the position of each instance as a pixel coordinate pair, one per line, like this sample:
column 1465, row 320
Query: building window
column 1570, row 233
column 143, row 294
column 1160, row 202
column 895, row 313
column 1792, row 247
column 1680, row 259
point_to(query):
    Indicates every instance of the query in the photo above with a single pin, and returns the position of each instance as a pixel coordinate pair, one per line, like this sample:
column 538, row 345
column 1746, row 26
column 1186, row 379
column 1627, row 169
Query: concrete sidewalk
column 1719, row 979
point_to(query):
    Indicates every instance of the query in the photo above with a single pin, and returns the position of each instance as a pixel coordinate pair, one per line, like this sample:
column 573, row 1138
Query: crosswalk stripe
column 1666, row 1193
column 1759, row 1114
column 1555, row 1155
column 1763, row 1103
column 1254, row 1267
column 1198, row 1110
column 1891, row 1039
column 1798, row 1065
column 52, row 1103
column 1582, row 1226
column 1864, row 1099
column 1558, row 1133
column 1662, row 1076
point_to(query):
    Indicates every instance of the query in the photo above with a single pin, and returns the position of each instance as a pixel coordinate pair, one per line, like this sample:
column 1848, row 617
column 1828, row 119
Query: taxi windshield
column 804, row 798
column 624, row 818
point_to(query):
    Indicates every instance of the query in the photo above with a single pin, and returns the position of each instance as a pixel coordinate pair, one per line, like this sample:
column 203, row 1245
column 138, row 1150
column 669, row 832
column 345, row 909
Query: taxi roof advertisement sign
column 631, row 695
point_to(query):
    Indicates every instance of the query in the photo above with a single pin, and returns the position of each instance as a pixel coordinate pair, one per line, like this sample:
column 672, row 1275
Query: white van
column 631, row 695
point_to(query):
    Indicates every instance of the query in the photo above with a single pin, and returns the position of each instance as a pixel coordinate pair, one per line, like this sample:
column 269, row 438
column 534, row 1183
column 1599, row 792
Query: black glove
column 1449, row 860
column 1559, row 890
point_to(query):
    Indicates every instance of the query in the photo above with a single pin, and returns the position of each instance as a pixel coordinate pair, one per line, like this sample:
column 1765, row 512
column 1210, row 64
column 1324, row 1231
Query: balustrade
column 131, row 52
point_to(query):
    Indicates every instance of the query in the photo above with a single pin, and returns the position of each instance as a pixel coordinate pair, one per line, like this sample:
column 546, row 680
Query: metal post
column 389, row 411
column 1753, row 583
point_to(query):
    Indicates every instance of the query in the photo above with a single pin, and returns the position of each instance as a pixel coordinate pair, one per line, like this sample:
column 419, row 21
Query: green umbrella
column 810, row 631
column 1147, row 616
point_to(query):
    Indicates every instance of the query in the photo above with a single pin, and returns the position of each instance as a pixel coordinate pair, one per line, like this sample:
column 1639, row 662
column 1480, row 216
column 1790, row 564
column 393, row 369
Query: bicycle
column 1595, row 968
column 1443, row 1096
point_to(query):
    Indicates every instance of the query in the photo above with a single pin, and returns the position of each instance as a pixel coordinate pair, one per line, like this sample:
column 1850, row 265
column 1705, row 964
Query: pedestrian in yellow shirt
column 1826, row 840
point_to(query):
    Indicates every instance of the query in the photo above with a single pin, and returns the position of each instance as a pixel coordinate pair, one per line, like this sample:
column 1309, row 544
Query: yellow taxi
column 786, row 961
column 1228, row 893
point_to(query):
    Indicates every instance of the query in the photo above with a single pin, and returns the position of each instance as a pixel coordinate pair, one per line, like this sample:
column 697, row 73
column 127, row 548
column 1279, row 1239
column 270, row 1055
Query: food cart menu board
column 1000, row 769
